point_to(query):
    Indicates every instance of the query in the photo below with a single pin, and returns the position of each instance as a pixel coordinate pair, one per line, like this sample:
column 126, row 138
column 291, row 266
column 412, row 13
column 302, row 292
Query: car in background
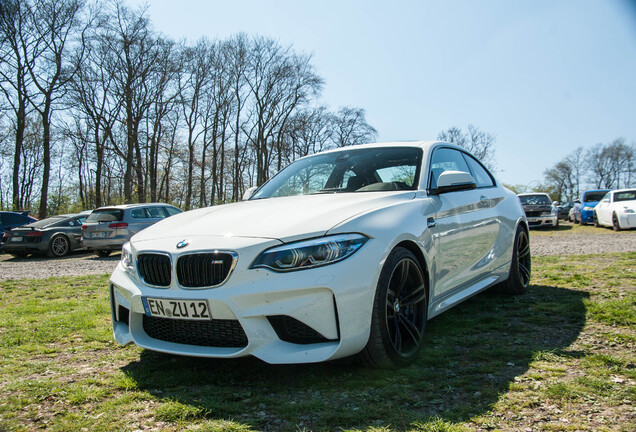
column 108, row 228
column 575, row 212
column 564, row 209
column 345, row 252
column 55, row 236
column 589, row 200
column 617, row 209
column 540, row 210
column 9, row 220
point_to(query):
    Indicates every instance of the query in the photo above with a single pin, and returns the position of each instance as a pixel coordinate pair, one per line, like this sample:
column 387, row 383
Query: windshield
column 354, row 170
column 105, row 215
column 629, row 195
column 535, row 200
column 593, row 196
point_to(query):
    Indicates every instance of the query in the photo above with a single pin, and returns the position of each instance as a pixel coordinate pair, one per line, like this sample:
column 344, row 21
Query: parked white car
column 345, row 252
column 617, row 209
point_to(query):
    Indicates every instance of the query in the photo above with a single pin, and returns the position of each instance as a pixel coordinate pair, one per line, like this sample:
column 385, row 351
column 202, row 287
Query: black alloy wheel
column 520, row 267
column 59, row 247
column 615, row 224
column 399, row 313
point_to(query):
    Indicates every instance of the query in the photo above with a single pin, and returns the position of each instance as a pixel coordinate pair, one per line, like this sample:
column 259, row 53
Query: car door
column 464, row 226
column 603, row 210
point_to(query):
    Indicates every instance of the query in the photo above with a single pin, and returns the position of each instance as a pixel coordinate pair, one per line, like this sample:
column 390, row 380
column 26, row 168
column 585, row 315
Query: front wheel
column 59, row 247
column 399, row 313
column 615, row 223
column 595, row 219
column 520, row 268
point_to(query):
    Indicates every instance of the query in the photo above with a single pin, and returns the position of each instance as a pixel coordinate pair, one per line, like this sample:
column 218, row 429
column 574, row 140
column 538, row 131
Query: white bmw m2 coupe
column 342, row 253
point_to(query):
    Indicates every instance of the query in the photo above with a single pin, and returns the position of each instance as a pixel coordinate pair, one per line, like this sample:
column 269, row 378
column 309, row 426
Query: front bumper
column 297, row 317
column 542, row 221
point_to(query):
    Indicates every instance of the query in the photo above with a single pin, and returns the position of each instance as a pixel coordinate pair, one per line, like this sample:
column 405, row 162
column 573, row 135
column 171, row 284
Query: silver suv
column 108, row 228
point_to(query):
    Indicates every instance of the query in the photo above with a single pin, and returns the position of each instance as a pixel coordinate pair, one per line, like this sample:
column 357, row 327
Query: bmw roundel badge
column 182, row 244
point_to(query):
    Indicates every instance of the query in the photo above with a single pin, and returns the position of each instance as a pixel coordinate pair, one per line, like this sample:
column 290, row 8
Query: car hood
column 590, row 203
column 285, row 219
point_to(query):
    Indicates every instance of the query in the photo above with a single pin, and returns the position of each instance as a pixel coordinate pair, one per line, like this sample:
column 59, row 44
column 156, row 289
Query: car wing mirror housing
column 453, row 181
column 249, row 192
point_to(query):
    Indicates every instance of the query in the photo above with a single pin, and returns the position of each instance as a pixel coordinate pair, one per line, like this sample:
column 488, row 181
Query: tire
column 103, row 253
column 520, row 268
column 595, row 219
column 400, row 311
column 59, row 247
column 615, row 223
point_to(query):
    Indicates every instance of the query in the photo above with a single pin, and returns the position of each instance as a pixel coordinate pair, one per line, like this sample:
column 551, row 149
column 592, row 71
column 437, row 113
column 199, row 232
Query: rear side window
column 482, row 177
column 155, row 212
column 106, row 215
column 138, row 213
column 172, row 211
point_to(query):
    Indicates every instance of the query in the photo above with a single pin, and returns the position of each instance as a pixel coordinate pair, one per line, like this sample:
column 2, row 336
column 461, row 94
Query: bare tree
column 350, row 127
column 14, row 79
column 58, row 30
column 477, row 142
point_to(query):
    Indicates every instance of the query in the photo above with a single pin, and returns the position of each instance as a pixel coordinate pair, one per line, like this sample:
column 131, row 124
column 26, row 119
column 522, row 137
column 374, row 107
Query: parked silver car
column 108, row 228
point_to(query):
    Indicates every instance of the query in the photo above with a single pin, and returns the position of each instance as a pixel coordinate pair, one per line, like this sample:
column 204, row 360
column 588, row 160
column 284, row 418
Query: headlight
column 126, row 256
column 628, row 210
column 587, row 208
column 310, row 253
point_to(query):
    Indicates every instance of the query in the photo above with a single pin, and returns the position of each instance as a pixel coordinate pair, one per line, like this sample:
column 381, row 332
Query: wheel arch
column 415, row 250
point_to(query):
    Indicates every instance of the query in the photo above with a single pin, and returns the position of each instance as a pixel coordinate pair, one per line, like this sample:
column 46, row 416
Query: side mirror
column 452, row 181
column 249, row 192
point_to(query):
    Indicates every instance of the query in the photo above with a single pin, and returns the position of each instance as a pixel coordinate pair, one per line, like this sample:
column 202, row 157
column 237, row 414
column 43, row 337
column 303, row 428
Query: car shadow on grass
column 470, row 357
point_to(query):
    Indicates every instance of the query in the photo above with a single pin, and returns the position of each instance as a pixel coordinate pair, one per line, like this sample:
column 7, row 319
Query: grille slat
column 155, row 269
column 204, row 269
column 214, row 333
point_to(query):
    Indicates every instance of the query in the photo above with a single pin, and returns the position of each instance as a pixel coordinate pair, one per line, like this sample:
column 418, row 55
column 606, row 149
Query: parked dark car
column 539, row 209
column 9, row 220
column 564, row 209
column 55, row 236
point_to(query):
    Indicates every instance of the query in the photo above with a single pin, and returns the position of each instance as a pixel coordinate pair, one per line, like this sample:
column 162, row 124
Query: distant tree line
column 602, row 166
column 98, row 108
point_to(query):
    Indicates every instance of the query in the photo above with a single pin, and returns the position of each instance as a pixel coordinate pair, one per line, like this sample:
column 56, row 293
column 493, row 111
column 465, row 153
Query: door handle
column 430, row 222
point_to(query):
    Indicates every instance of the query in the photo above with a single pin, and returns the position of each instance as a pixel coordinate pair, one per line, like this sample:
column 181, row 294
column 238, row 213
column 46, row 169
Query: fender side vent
column 293, row 331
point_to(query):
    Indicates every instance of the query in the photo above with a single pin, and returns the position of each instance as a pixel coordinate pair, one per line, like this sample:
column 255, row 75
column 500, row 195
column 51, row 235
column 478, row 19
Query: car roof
column 533, row 193
column 129, row 206
column 424, row 145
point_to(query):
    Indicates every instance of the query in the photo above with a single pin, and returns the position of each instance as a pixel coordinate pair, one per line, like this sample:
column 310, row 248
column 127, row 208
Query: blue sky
column 544, row 76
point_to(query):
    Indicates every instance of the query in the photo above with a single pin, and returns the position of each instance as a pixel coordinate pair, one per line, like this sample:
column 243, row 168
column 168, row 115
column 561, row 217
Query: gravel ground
column 78, row 264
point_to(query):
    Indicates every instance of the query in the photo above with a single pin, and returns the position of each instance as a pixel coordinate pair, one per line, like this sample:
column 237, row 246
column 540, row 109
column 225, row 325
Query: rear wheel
column 595, row 219
column 520, row 268
column 59, row 247
column 103, row 253
column 615, row 223
column 399, row 313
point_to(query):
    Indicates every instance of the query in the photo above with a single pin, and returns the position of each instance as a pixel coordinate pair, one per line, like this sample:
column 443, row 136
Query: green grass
column 561, row 357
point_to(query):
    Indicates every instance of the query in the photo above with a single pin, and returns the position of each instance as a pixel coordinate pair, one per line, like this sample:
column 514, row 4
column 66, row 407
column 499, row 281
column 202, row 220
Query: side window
column 171, row 211
column 155, row 212
column 138, row 213
column 81, row 220
column 481, row 175
column 15, row 219
column 445, row 159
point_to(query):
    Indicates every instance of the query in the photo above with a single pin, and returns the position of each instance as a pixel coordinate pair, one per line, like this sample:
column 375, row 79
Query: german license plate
column 98, row 234
column 177, row 309
column 15, row 239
